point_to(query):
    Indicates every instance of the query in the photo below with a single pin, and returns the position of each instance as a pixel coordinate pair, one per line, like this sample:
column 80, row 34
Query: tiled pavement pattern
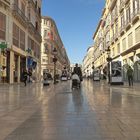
column 95, row 112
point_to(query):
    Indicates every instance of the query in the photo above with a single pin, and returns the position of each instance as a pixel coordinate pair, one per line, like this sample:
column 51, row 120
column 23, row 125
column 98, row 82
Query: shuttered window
column 137, row 34
column 124, row 44
column 2, row 26
column 130, row 40
column 22, row 40
column 15, row 35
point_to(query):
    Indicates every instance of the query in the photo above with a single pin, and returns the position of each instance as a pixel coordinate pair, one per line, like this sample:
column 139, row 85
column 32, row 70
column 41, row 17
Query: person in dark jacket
column 25, row 76
column 78, row 71
column 130, row 75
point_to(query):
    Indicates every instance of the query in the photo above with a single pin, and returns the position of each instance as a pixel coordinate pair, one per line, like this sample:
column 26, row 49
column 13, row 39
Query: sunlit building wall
column 119, row 30
column 51, row 39
column 20, row 30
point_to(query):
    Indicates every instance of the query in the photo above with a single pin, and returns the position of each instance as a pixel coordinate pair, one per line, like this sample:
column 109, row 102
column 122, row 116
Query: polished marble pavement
column 97, row 111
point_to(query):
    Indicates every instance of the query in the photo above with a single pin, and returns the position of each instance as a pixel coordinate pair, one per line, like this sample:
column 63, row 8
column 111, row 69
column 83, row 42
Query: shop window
column 2, row 26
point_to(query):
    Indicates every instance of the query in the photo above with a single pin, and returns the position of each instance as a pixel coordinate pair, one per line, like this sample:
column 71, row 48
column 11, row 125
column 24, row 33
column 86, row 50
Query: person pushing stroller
column 75, row 80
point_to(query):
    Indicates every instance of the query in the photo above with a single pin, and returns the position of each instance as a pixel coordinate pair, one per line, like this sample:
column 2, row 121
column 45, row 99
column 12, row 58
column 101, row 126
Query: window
column 23, row 8
column 45, row 33
column 137, row 34
column 22, row 40
column 29, row 14
column 36, row 25
column 43, row 60
column 2, row 26
column 130, row 40
column 124, row 44
column 113, row 52
column 15, row 35
column 116, row 27
column 122, row 20
column 118, row 48
column 128, row 15
column 16, row 2
column 136, row 6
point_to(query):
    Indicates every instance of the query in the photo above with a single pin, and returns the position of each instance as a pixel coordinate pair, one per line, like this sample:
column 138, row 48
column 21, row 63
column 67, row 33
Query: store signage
column 116, row 72
column 3, row 45
column 96, row 74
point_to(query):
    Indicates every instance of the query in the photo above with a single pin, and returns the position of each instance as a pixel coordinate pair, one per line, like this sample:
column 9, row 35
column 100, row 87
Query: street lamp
column 109, row 59
column 54, row 61
column 93, row 70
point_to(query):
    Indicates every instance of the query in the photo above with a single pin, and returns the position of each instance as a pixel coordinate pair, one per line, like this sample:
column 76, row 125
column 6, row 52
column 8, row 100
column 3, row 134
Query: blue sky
column 76, row 21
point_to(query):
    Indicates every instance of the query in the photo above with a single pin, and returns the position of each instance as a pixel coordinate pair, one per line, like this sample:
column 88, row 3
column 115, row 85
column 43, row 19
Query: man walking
column 25, row 76
column 78, row 71
column 130, row 75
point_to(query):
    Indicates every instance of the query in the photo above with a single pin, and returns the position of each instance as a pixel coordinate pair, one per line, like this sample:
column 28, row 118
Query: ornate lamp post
column 54, row 61
column 93, row 70
column 109, row 59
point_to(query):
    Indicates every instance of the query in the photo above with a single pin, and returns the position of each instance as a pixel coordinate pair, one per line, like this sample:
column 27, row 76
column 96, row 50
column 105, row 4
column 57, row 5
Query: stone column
column 11, row 67
column 18, row 72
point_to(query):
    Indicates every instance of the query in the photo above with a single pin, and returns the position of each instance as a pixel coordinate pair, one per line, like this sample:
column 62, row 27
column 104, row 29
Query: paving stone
column 95, row 112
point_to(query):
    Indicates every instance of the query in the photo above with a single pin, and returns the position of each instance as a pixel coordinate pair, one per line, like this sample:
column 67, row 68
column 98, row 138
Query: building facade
column 88, row 63
column 50, row 40
column 119, row 31
column 20, row 39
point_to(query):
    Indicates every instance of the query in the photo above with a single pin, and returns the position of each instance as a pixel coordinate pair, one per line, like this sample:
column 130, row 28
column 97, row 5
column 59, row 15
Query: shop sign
column 96, row 74
column 3, row 45
column 116, row 72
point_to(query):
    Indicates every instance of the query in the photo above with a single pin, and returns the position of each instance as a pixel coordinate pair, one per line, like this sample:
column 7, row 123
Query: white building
column 87, row 66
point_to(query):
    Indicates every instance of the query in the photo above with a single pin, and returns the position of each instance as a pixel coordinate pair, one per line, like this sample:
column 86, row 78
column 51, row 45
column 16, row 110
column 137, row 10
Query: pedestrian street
column 97, row 111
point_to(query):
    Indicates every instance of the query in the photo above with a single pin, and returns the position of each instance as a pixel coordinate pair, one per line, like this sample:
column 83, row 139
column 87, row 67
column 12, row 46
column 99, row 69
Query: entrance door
column 22, row 66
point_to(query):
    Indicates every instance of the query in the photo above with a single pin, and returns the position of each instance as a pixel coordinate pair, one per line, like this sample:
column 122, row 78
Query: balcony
column 31, row 27
column 122, row 4
column 135, row 15
column 19, row 15
column 112, row 4
column 5, row 2
column 34, row 32
column 126, row 1
column 32, row 3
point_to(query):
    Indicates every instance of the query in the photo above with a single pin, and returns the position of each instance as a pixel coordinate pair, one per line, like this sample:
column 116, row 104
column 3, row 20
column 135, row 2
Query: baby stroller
column 75, row 84
column 45, row 80
column 75, row 81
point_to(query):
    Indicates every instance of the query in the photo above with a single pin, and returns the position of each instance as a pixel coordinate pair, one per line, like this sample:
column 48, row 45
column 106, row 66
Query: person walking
column 130, row 75
column 78, row 71
column 25, row 76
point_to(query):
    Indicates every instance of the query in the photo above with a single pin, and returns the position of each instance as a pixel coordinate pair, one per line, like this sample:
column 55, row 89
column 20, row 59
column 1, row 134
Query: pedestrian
column 30, row 75
column 78, row 71
column 130, row 75
column 25, row 76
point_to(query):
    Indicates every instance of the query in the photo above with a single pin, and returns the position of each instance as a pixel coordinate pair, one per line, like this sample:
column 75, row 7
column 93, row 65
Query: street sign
column 3, row 45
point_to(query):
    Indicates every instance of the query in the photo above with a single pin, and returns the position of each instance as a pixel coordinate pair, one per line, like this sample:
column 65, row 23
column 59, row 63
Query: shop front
column 3, row 63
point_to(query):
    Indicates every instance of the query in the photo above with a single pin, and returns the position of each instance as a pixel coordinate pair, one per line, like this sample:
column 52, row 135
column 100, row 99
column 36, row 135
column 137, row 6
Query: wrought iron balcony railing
column 19, row 13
